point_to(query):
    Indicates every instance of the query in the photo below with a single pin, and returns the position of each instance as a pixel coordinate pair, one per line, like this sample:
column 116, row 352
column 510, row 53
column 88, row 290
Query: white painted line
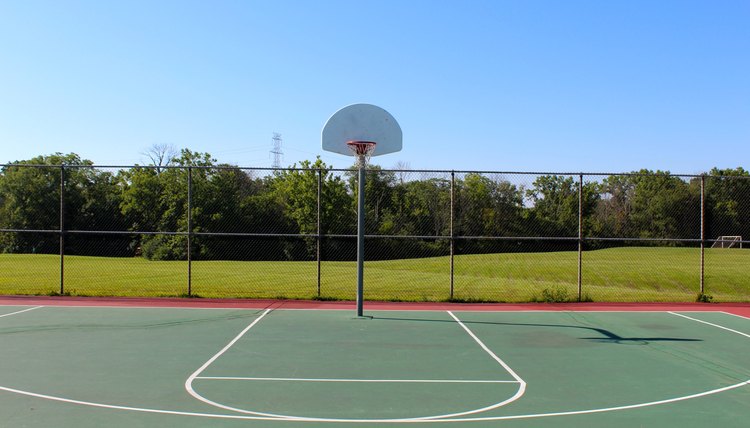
column 350, row 421
column 280, row 308
column 486, row 349
column 196, row 374
column 189, row 381
column 521, row 382
column 736, row 315
column 606, row 409
column 293, row 379
column 711, row 324
column 134, row 409
column 221, row 308
column 20, row 312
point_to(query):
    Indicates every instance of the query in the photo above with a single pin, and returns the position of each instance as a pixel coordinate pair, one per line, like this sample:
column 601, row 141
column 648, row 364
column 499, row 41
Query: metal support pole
column 190, row 231
column 361, row 237
column 580, row 236
column 453, row 239
column 62, row 229
column 319, row 243
column 703, row 231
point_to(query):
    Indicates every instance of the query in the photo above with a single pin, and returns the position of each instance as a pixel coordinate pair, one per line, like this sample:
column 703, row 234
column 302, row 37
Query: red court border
column 741, row 309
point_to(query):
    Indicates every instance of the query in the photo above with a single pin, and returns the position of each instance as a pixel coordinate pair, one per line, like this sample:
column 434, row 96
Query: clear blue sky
column 551, row 85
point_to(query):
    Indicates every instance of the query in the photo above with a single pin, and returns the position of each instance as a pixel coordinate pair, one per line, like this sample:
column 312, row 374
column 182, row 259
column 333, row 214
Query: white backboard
column 362, row 122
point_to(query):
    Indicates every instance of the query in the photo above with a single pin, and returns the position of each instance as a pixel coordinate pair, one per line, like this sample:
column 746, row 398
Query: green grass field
column 616, row 275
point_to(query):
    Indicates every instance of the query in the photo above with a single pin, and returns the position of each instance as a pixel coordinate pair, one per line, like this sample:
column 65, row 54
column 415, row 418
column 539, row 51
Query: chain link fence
column 225, row 231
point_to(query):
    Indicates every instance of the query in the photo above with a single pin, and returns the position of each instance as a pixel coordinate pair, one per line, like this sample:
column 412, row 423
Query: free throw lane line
column 295, row 379
column 196, row 375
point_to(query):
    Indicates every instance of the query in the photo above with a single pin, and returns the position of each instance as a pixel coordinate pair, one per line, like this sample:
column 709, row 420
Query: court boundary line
column 711, row 324
column 497, row 309
column 605, row 409
column 20, row 312
column 507, row 417
column 492, row 418
column 735, row 315
column 740, row 308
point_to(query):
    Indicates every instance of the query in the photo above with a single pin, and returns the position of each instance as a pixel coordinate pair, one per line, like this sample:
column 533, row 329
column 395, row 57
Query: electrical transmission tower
column 276, row 150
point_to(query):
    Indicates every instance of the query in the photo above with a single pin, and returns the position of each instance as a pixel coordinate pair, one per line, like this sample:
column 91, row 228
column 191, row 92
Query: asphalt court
column 130, row 366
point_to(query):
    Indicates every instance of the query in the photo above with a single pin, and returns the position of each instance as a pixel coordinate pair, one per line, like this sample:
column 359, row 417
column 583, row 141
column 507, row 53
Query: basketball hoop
column 354, row 131
column 362, row 150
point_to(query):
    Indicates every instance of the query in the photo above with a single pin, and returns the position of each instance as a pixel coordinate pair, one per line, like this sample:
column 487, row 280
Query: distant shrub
column 554, row 295
column 164, row 247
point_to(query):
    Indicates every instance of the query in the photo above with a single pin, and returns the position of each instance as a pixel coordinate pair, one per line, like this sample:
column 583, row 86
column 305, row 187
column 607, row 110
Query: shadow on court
column 605, row 336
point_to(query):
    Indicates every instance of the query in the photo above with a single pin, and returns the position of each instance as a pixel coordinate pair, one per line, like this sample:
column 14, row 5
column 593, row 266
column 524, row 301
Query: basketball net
column 362, row 151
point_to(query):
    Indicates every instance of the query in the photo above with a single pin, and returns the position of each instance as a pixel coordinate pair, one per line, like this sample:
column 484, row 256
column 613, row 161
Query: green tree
column 488, row 207
column 555, row 209
column 612, row 217
column 230, row 200
column 379, row 198
column 296, row 191
column 727, row 203
column 141, row 201
column 427, row 207
column 156, row 200
column 30, row 200
column 648, row 204
column 662, row 205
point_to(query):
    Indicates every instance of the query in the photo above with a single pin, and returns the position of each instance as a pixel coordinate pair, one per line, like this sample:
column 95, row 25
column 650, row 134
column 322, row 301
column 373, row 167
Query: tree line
column 244, row 214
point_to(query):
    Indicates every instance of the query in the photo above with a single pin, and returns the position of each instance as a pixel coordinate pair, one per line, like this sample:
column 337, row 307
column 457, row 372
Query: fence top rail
column 368, row 236
column 434, row 171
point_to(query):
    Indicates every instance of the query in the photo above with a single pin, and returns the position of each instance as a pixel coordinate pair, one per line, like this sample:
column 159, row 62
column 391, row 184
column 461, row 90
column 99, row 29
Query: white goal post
column 728, row 241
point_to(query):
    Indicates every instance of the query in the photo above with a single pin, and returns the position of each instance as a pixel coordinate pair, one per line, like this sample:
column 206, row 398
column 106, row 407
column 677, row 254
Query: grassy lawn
column 617, row 275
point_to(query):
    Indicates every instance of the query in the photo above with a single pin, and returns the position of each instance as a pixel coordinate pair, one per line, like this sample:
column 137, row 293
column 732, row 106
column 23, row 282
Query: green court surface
column 187, row 367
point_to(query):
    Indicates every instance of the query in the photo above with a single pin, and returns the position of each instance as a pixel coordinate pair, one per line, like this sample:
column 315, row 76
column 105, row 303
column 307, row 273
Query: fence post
column 319, row 243
column 580, row 236
column 453, row 187
column 190, row 231
column 703, row 231
column 62, row 229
